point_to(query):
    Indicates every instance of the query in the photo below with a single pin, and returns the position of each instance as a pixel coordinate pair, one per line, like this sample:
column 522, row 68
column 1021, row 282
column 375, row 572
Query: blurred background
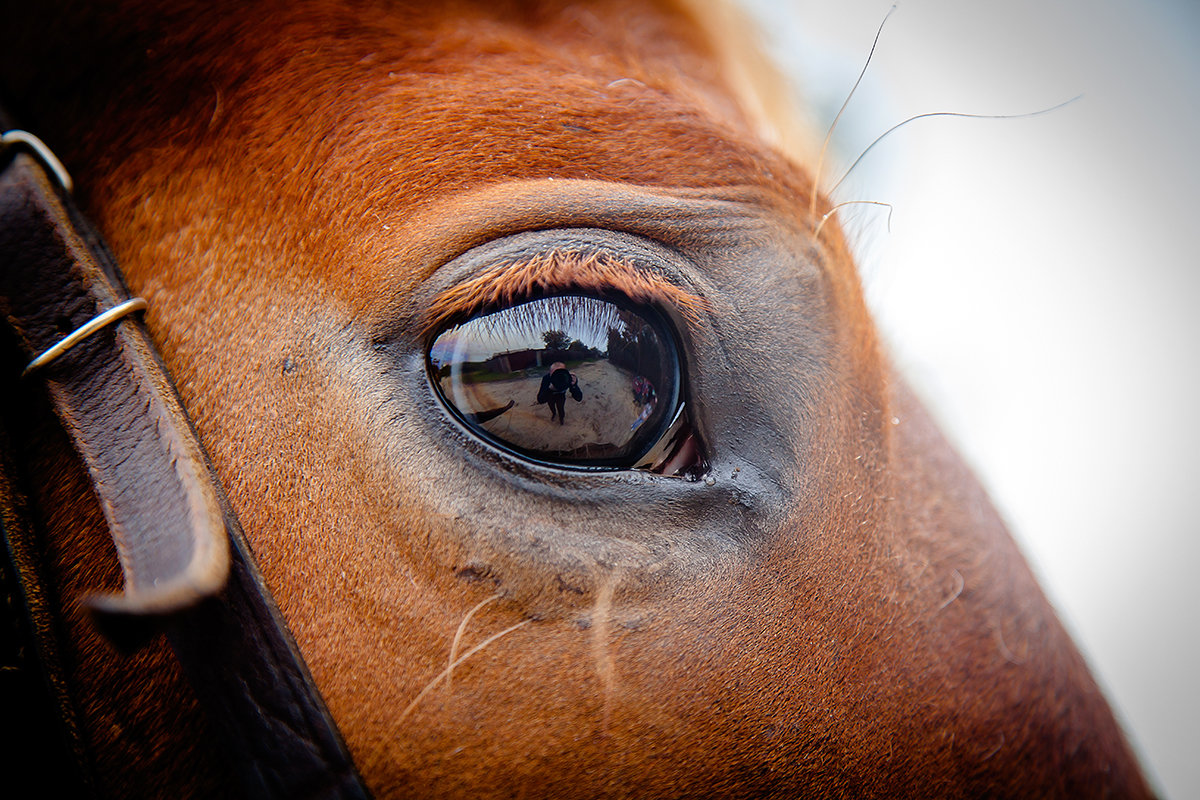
column 1039, row 286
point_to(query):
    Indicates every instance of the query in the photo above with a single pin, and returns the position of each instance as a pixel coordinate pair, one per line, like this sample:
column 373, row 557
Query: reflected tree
column 556, row 340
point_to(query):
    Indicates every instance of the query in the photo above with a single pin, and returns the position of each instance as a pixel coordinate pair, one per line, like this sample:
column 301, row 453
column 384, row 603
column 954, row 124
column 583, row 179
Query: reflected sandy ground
column 594, row 428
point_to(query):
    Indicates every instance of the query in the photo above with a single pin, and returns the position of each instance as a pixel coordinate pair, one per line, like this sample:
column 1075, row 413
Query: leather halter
column 188, row 568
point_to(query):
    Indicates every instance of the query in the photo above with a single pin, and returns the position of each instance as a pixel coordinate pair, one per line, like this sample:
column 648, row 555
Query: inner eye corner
column 584, row 380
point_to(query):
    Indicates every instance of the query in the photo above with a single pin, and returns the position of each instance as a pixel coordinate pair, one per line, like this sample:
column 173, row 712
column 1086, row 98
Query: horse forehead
column 349, row 138
column 486, row 99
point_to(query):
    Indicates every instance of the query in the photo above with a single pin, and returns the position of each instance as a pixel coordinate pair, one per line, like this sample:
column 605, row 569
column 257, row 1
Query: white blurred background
column 1039, row 287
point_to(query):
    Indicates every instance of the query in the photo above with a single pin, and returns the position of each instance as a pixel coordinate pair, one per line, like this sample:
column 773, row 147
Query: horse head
column 807, row 594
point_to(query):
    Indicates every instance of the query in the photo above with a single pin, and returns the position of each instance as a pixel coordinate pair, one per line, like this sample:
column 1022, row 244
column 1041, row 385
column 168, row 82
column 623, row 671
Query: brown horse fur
column 295, row 185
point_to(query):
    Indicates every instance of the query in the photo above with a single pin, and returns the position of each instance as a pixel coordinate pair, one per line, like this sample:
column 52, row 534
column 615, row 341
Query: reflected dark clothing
column 557, row 405
column 558, row 381
column 554, row 391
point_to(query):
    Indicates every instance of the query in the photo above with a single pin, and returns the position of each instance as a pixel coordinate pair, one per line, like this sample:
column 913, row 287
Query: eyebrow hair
column 559, row 272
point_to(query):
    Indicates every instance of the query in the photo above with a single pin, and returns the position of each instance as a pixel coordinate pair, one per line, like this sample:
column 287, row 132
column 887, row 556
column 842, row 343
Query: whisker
column 430, row 686
column 812, row 205
column 958, row 590
column 458, row 634
column 832, row 211
column 899, row 125
column 601, row 648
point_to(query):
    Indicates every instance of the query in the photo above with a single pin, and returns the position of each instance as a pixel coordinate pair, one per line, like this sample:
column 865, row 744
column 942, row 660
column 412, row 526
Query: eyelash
column 557, row 272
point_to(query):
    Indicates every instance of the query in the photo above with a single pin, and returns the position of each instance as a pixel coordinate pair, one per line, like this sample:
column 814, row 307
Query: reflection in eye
column 571, row 380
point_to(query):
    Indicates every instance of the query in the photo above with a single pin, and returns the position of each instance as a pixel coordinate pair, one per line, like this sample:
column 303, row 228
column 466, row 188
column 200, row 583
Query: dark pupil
column 571, row 380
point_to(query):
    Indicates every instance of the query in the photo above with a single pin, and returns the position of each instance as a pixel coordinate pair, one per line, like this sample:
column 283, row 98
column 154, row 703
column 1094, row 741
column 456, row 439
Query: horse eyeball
column 570, row 380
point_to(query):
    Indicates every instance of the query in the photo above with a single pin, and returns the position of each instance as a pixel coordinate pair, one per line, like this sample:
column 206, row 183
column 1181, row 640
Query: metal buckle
column 85, row 330
column 39, row 150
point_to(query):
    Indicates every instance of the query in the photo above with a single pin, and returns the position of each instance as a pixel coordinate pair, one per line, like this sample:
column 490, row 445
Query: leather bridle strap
column 186, row 563
column 114, row 399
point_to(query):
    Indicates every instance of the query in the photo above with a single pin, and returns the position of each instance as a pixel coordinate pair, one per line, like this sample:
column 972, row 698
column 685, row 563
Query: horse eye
column 568, row 380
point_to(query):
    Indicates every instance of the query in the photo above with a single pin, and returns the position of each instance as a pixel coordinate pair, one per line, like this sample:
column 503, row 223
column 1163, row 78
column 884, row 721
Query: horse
column 810, row 596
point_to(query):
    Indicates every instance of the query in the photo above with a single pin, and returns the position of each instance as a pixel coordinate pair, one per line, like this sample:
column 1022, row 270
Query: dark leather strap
column 170, row 520
column 114, row 399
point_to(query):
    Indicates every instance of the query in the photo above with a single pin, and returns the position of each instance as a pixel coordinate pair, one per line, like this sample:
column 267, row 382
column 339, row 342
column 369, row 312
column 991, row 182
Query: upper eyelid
column 556, row 271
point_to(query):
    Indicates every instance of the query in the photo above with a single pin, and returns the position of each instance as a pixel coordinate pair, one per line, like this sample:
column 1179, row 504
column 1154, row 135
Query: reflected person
column 555, row 385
